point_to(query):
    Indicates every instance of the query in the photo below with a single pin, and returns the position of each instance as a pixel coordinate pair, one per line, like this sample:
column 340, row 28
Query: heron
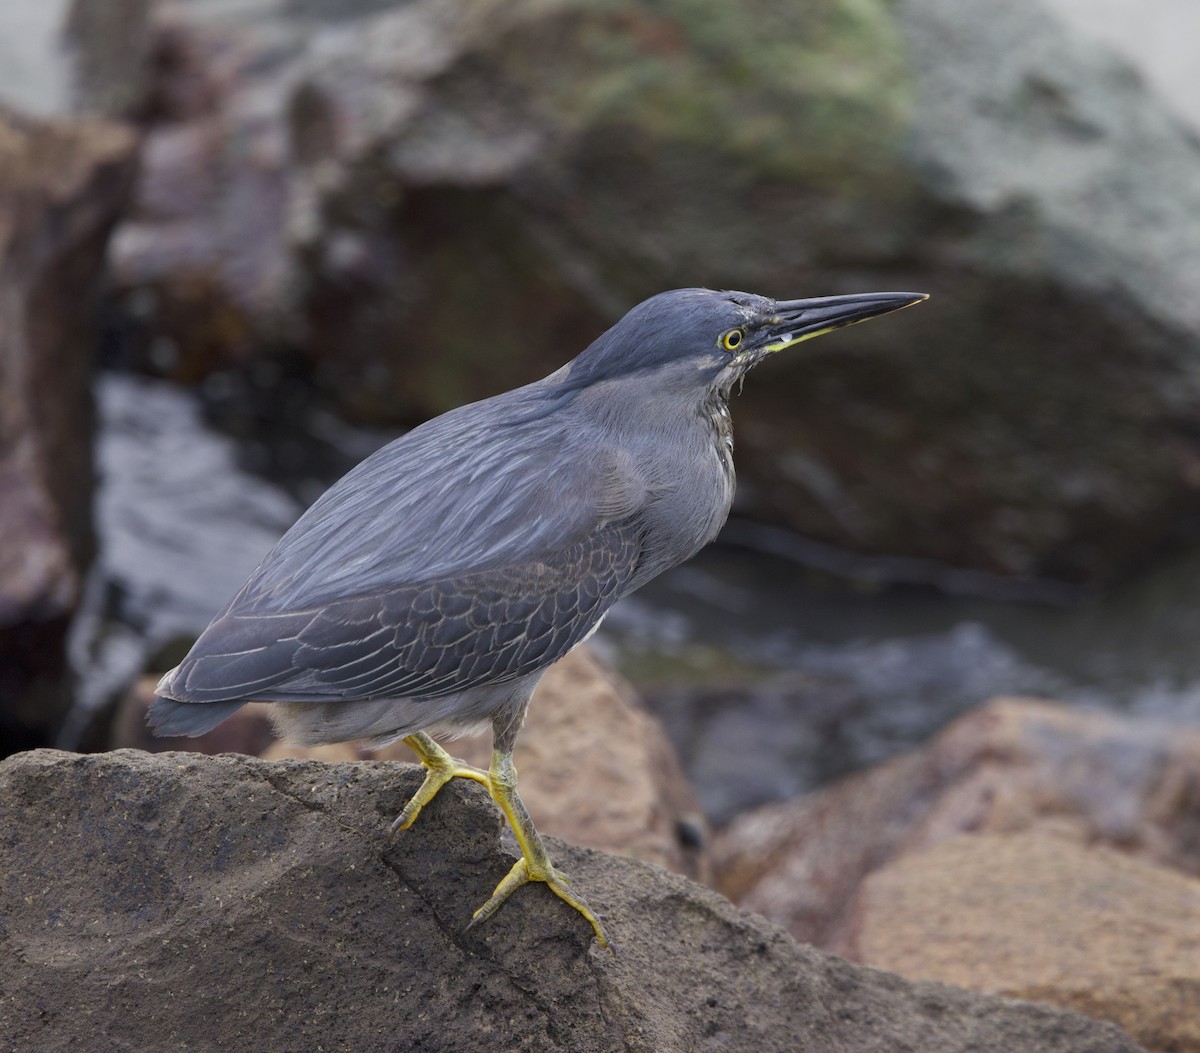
column 426, row 592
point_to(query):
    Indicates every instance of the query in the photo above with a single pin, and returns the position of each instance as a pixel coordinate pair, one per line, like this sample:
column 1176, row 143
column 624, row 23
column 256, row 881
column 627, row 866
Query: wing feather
column 482, row 487
column 492, row 626
column 477, row 548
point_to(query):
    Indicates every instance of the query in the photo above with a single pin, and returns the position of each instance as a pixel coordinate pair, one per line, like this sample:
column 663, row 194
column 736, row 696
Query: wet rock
column 143, row 890
column 1038, row 916
column 181, row 521
column 429, row 202
column 62, row 185
column 595, row 767
column 1013, row 765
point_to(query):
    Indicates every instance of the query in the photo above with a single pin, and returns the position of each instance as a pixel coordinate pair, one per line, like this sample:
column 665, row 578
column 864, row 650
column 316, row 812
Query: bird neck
column 716, row 411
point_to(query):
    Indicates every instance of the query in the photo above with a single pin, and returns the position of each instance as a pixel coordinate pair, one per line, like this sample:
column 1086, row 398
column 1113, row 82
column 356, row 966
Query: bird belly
column 383, row 720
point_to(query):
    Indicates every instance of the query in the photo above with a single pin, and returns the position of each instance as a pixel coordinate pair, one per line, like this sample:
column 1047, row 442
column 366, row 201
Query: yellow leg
column 534, row 864
column 441, row 769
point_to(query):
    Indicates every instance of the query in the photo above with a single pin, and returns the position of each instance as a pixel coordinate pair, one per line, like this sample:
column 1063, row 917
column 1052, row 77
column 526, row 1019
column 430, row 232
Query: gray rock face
column 1036, row 419
column 1154, row 35
column 174, row 901
column 1078, row 172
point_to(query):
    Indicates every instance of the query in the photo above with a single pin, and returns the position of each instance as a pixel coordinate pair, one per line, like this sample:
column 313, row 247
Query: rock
column 980, row 452
column 143, row 890
column 1012, row 765
column 419, row 175
column 1036, row 916
column 595, row 766
column 1153, row 37
column 183, row 516
column 62, row 185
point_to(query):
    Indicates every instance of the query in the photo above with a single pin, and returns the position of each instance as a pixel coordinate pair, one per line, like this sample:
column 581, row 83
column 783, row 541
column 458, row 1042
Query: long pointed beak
column 797, row 320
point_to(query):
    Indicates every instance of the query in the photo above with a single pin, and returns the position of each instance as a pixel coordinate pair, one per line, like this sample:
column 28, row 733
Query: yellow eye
column 732, row 340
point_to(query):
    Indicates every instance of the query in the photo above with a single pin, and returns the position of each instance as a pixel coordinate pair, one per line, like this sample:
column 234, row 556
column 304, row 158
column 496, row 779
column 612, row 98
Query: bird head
column 706, row 341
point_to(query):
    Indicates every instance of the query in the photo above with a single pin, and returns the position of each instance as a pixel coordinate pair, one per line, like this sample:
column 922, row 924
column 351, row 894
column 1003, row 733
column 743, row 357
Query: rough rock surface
column 180, row 901
column 595, row 767
column 377, row 186
column 1011, row 765
column 62, row 184
column 1037, row 916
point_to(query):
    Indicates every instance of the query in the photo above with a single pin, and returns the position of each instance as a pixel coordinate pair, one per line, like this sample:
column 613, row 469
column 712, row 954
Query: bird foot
column 440, row 770
column 501, row 782
column 523, row 871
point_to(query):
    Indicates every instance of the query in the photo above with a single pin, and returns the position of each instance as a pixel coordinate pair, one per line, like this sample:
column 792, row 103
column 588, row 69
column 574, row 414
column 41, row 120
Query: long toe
column 559, row 884
column 435, row 778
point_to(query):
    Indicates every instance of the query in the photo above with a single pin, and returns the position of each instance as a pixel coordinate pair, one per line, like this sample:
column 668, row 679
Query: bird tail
column 168, row 717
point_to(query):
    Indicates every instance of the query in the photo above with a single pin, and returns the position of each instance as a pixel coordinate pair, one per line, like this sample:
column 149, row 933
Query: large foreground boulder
column 179, row 901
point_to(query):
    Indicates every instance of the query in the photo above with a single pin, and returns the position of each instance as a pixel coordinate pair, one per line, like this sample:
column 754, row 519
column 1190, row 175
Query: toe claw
column 402, row 822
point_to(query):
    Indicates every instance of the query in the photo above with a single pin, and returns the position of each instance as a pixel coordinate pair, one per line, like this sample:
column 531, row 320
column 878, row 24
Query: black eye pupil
column 733, row 339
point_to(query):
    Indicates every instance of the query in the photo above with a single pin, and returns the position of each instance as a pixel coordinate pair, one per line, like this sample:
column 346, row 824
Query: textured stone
column 1010, row 766
column 1154, row 36
column 180, row 901
column 1041, row 917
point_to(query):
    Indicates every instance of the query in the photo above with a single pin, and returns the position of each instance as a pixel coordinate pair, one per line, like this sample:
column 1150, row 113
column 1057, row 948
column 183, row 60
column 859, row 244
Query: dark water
column 771, row 677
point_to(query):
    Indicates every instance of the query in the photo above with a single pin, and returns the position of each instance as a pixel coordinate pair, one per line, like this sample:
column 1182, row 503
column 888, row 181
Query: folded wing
column 423, row 640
